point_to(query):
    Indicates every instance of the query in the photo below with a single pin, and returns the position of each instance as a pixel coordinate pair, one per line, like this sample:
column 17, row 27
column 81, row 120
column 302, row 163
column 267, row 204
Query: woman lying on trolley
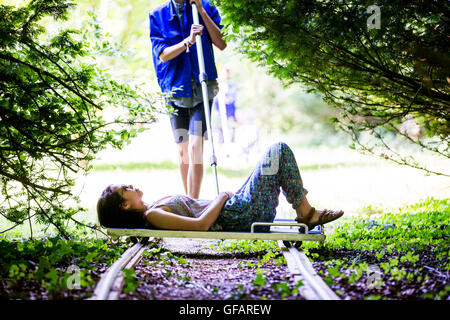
column 121, row 206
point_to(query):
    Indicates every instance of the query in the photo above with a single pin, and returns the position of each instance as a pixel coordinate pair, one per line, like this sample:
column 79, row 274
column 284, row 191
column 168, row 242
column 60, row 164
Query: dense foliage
column 389, row 255
column 57, row 110
column 383, row 76
column 401, row 254
column 53, row 268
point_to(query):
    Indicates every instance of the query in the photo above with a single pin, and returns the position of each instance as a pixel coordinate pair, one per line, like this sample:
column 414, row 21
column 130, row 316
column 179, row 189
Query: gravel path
column 194, row 271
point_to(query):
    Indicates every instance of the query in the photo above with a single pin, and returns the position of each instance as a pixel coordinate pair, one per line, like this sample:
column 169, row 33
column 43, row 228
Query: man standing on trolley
column 173, row 36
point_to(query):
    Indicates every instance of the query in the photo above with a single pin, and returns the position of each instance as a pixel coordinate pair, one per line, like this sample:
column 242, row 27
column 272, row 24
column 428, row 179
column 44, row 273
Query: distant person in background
column 225, row 105
column 172, row 35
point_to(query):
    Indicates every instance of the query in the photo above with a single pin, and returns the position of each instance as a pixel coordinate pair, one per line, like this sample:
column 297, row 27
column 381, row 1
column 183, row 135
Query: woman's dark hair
column 111, row 214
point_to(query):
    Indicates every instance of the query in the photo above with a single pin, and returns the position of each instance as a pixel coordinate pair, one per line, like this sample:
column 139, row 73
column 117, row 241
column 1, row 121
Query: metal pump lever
column 203, row 78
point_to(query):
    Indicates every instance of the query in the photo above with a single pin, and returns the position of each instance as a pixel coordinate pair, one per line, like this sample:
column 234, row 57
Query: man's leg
column 180, row 125
column 184, row 163
column 195, row 174
column 197, row 132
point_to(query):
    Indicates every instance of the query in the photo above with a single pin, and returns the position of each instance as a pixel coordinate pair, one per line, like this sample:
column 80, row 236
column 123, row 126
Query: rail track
column 111, row 282
column 300, row 267
column 314, row 288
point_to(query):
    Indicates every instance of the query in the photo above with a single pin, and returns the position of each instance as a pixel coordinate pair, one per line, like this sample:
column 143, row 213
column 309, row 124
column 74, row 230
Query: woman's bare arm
column 163, row 219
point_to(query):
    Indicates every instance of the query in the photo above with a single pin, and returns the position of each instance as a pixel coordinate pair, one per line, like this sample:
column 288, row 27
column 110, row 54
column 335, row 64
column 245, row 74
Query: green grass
column 226, row 171
column 408, row 247
column 401, row 243
column 415, row 227
column 404, row 245
column 233, row 173
column 132, row 166
column 51, row 267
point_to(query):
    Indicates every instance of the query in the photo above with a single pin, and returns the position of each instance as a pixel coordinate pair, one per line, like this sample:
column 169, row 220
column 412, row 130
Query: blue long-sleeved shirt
column 167, row 30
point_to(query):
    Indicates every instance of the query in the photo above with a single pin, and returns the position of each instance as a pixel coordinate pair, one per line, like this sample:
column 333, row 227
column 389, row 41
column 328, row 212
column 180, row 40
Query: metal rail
column 104, row 289
column 314, row 288
column 300, row 267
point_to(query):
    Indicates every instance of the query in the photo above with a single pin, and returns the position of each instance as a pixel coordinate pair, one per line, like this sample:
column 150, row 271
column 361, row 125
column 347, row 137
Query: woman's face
column 132, row 196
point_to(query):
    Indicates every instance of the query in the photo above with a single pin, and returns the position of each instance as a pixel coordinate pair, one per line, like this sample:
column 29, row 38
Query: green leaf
column 334, row 271
column 259, row 280
column 130, row 281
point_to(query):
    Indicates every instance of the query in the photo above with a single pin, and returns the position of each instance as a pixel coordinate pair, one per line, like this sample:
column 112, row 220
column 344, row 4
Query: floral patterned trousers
column 257, row 199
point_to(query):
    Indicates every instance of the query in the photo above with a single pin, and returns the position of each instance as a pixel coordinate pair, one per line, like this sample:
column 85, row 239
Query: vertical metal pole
column 202, row 76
